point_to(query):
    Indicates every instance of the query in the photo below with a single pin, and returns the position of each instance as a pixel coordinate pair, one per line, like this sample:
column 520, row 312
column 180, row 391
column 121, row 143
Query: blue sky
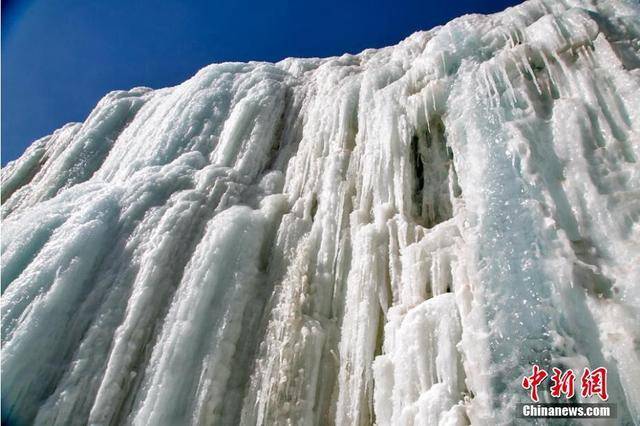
column 59, row 57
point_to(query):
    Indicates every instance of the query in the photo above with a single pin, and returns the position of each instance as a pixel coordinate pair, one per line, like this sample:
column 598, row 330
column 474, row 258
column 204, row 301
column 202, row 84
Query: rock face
column 393, row 237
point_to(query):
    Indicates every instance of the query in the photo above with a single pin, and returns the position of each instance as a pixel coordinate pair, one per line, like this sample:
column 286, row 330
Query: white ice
column 392, row 237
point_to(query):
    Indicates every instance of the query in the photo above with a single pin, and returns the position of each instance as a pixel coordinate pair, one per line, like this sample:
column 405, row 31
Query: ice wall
column 392, row 237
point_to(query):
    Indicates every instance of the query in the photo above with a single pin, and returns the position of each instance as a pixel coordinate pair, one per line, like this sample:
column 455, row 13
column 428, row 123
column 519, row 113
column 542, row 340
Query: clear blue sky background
column 59, row 57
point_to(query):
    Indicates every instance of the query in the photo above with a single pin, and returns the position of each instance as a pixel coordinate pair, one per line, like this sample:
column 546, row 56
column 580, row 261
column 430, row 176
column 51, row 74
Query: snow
column 392, row 237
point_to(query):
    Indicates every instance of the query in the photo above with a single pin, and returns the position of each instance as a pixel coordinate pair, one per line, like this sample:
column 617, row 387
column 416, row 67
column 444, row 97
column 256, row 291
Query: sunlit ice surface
column 390, row 237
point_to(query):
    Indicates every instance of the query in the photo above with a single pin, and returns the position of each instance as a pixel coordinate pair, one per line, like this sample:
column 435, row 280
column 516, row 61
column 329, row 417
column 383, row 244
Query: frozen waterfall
column 393, row 237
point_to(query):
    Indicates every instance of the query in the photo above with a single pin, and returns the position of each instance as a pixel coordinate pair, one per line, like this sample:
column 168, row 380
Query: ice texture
column 392, row 237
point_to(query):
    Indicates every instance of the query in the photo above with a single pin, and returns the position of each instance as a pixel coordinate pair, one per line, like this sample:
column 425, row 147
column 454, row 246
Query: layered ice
column 392, row 237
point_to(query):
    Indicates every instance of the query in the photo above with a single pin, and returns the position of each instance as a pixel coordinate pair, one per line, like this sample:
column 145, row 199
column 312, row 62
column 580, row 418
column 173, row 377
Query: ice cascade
column 393, row 237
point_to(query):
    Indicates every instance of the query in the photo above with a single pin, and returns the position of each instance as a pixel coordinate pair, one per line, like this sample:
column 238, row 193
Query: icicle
column 527, row 66
column 511, row 90
column 549, row 72
column 487, row 86
column 444, row 63
column 433, row 100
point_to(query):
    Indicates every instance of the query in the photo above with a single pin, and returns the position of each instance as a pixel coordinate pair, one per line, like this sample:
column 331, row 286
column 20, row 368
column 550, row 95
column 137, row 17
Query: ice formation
column 392, row 237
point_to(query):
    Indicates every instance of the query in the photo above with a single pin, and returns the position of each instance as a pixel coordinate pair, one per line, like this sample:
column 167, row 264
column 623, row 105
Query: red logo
column 592, row 383
column 563, row 383
column 532, row 382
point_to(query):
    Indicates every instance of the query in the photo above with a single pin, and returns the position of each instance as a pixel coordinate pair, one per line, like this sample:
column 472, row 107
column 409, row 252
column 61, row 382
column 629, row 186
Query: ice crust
column 392, row 237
